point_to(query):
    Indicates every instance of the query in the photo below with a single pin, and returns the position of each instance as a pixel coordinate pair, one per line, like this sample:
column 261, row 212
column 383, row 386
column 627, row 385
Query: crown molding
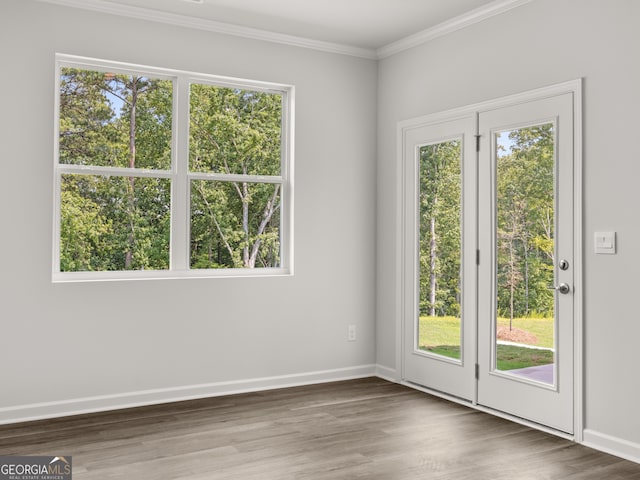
column 103, row 6
column 482, row 13
column 474, row 16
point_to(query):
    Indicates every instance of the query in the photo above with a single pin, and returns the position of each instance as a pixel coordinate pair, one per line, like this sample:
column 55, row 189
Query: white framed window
column 162, row 173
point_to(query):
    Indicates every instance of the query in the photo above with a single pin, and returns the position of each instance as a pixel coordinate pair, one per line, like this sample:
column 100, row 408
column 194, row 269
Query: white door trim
column 574, row 87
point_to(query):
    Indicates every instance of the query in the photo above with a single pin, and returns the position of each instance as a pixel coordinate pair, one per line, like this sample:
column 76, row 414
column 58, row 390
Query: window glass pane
column 114, row 120
column 234, row 131
column 525, row 324
column 114, row 223
column 117, row 170
column 235, row 224
column 439, row 329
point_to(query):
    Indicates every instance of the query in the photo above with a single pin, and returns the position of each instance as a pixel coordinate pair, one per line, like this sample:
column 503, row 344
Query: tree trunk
column 512, row 282
column 269, row 210
column 132, row 163
column 525, row 245
column 245, row 223
column 433, row 256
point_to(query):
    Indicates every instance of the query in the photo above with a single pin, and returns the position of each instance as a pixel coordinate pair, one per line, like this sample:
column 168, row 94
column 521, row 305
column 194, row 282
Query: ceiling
column 368, row 25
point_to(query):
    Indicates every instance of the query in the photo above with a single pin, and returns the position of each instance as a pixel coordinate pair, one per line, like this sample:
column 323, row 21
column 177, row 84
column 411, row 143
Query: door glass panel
column 440, row 201
column 525, row 220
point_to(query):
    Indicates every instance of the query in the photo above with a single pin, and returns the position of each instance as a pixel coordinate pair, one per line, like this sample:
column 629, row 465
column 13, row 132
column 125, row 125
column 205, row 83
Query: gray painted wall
column 542, row 43
column 68, row 341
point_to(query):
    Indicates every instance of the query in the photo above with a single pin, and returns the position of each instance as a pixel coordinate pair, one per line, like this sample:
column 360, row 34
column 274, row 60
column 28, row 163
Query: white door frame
column 574, row 87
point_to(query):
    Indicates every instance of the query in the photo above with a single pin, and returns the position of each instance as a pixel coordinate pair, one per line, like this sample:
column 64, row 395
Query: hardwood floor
column 367, row 429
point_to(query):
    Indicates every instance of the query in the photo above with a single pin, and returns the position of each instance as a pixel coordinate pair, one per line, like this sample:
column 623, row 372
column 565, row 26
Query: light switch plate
column 604, row 243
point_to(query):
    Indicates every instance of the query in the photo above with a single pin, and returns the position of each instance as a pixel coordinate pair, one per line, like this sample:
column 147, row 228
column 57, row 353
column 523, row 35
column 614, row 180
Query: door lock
column 563, row 265
column 563, row 288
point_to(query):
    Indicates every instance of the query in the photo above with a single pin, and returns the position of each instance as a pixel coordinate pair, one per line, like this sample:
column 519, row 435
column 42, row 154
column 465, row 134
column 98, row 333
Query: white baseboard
column 78, row 406
column 386, row 373
column 613, row 445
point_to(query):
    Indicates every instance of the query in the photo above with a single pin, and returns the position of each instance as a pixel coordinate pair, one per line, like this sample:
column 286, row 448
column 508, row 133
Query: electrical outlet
column 351, row 333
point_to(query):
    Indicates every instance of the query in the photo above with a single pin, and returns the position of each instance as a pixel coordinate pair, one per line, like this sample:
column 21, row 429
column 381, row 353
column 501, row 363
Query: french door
column 439, row 241
column 489, row 255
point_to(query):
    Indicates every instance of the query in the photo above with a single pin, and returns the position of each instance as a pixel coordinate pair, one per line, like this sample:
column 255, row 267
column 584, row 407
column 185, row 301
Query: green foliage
column 82, row 228
column 525, row 222
column 440, row 220
column 525, row 225
column 234, row 131
column 235, row 224
column 117, row 222
column 102, row 218
column 88, row 135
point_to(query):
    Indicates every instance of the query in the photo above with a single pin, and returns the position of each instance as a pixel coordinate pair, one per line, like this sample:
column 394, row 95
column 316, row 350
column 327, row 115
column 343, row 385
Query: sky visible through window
column 505, row 144
column 116, row 103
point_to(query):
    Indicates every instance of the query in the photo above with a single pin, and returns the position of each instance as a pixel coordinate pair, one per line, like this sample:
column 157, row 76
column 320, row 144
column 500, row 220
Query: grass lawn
column 542, row 328
column 511, row 357
column 441, row 335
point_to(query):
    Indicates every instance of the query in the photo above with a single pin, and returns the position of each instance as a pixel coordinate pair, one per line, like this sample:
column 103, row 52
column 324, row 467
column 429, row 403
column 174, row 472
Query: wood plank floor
column 360, row 429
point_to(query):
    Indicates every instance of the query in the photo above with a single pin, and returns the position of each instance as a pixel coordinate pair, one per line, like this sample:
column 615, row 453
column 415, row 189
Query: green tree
column 525, row 222
column 83, row 229
column 440, row 220
column 109, row 120
column 235, row 132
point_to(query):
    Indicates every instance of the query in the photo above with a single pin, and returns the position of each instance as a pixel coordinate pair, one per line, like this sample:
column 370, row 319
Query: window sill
column 71, row 277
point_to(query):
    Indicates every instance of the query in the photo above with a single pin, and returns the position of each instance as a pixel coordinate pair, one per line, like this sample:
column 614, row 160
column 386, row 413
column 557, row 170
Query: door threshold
column 490, row 411
column 437, row 393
